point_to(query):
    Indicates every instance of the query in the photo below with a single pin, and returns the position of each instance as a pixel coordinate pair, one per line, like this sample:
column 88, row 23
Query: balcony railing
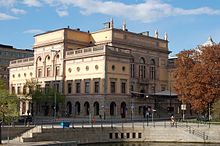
column 22, row 61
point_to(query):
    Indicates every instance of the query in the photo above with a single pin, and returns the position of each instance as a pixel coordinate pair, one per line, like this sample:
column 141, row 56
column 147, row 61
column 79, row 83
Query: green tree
column 40, row 95
column 8, row 105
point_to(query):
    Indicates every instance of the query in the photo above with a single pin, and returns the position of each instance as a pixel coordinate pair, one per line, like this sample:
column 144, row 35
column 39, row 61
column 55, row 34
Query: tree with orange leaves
column 197, row 77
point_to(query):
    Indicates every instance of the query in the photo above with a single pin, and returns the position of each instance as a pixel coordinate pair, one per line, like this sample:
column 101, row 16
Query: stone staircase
column 28, row 134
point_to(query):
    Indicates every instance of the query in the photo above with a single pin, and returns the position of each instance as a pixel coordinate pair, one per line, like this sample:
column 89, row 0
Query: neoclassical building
column 111, row 72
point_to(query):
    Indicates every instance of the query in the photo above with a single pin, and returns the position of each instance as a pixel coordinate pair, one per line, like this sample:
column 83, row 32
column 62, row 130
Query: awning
column 164, row 93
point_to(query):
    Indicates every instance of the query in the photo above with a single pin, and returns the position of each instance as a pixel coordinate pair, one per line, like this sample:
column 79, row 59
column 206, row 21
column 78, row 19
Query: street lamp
column 55, row 94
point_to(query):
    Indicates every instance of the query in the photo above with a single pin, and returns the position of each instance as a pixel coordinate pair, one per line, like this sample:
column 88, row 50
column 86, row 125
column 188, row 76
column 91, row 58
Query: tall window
column 113, row 87
column 69, row 88
column 19, row 90
column 78, row 87
column 123, row 87
column 39, row 72
column 132, row 68
column 152, row 69
column 24, row 90
column 96, row 89
column 87, row 86
column 48, row 71
column 13, row 90
column 142, row 68
column 47, row 87
column 57, row 71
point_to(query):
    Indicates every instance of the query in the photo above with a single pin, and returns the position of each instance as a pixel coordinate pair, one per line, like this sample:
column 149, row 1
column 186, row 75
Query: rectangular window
column 123, row 87
column 19, row 90
column 132, row 70
column 39, row 72
column 112, row 87
column 78, row 87
column 13, row 90
column 24, row 90
column 128, row 135
column 69, row 88
column 48, row 71
column 57, row 71
column 133, row 135
column 47, row 87
column 96, row 84
column 57, row 87
column 87, row 86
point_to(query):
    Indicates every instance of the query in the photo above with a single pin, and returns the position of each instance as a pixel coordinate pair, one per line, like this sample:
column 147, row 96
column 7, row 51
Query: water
column 150, row 144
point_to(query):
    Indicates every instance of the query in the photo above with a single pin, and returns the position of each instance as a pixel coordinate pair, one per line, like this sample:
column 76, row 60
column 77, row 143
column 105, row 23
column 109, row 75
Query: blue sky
column 187, row 22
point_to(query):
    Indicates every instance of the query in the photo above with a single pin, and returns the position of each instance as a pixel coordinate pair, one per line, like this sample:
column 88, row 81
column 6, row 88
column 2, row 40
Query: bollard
column 144, row 126
column 165, row 124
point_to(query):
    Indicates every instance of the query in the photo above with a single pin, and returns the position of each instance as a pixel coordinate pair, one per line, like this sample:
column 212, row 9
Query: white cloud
column 147, row 11
column 7, row 3
column 62, row 13
column 34, row 31
column 4, row 16
column 18, row 11
column 32, row 3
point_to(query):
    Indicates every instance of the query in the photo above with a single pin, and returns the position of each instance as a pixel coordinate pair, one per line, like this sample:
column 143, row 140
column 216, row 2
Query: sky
column 188, row 22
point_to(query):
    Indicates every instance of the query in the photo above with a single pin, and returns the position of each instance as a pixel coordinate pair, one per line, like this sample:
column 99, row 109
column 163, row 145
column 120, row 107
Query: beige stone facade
column 110, row 72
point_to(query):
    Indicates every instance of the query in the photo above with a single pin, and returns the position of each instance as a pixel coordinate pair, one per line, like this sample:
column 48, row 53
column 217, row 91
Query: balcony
column 22, row 62
column 86, row 52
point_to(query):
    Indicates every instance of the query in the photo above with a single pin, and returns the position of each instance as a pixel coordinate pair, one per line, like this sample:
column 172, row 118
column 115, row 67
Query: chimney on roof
column 156, row 34
column 111, row 23
column 124, row 26
column 166, row 36
column 68, row 26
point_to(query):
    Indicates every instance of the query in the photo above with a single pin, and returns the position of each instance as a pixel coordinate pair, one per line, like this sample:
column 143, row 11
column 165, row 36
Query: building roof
column 209, row 42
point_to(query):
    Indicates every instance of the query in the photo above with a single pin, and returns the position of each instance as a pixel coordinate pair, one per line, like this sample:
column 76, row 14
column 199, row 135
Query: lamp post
column 55, row 94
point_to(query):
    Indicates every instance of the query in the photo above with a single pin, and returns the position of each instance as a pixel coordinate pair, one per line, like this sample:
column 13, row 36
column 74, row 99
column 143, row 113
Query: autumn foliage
column 197, row 77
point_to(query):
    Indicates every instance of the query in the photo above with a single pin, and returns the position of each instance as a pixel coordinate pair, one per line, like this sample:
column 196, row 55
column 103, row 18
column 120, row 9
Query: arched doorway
column 123, row 109
column 23, row 107
column 96, row 108
column 77, row 108
column 86, row 108
column 113, row 109
column 68, row 108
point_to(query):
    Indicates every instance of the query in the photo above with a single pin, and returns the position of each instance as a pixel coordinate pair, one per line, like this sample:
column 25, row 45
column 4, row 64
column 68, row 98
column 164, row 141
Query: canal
column 150, row 144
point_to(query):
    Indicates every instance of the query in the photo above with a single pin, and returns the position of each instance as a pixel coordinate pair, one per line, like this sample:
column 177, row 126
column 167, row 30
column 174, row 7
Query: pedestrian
column 172, row 120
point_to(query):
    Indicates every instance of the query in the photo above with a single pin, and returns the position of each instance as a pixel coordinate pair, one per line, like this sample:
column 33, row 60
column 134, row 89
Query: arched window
column 113, row 109
column 96, row 108
column 23, row 107
column 152, row 69
column 69, row 108
column 77, row 108
column 142, row 68
column 123, row 110
column 86, row 108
